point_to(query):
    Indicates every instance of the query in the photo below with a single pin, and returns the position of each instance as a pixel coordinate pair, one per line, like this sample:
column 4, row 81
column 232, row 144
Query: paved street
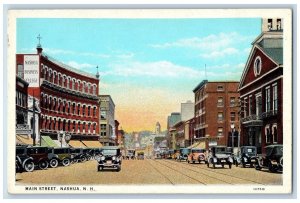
column 159, row 171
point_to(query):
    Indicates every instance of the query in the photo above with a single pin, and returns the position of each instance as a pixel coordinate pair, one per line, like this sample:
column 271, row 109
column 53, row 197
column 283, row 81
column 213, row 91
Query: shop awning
column 24, row 140
column 48, row 142
column 76, row 144
column 199, row 145
column 92, row 144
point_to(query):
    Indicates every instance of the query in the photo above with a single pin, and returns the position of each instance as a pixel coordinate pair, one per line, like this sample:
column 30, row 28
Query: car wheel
column 188, row 161
column 230, row 165
column 118, row 168
column 29, row 166
column 251, row 165
column 99, row 168
column 66, row 162
column 236, row 164
column 257, row 167
column 214, row 165
column 53, row 163
column 244, row 165
column 83, row 159
column 193, row 162
column 43, row 165
column 222, row 165
column 272, row 168
column 207, row 164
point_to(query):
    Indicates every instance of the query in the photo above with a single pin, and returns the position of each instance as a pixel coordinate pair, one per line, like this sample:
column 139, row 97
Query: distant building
column 107, row 120
column 157, row 128
column 173, row 119
column 261, row 88
column 187, row 110
column 215, row 111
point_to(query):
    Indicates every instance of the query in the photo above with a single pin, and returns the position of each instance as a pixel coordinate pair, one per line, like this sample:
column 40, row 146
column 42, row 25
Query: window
column 103, row 114
column 69, row 106
column 89, row 128
column 74, row 124
column 270, row 24
column 220, row 102
column 220, row 116
column 83, row 110
column 232, row 116
column 268, row 99
column 232, row 101
column 94, row 112
column 257, row 66
column 94, row 89
column 278, row 24
column 103, row 129
column 20, row 71
column 78, row 127
column 258, row 105
column 89, row 111
column 220, row 88
column 73, row 84
column 78, row 109
column 274, row 133
column 275, row 97
column 250, row 105
column 74, row 110
column 220, row 132
column 268, row 133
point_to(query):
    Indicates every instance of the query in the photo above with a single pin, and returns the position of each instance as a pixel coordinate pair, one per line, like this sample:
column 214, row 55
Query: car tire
column 214, row 165
column 272, row 168
column 188, row 161
column 29, row 166
column 43, row 164
column 230, row 165
column 99, row 168
column 66, row 162
column 118, row 168
column 257, row 167
column 53, row 163
column 193, row 162
column 222, row 165
column 83, row 159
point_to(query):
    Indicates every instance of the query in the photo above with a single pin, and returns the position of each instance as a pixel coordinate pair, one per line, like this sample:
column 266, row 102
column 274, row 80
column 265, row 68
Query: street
column 149, row 171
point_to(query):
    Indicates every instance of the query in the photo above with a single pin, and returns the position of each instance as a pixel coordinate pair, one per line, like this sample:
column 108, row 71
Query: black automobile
column 140, row 156
column 39, row 155
column 130, row 154
column 110, row 157
column 246, row 156
column 24, row 162
column 183, row 154
column 219, row 155
column 64, row 155
column 77, row 155
column 52, row 157
column 272, row 159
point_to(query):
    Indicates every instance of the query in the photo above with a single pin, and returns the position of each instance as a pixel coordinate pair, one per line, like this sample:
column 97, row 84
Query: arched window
column 83, row 127
column 83, row 110
column 78, row 109
column 74, row 124
column 68, row 83
column 94, row 89
column 89, row 111
column 54, row 104
column 73, row 108
column 69, row 126
column 89, row 88
column 64, row 125
column 58, row 80
column 94, row 111
column 73, row 84
column 89, row 128
column 94, row 128
column 78, row 128
column 64, row 107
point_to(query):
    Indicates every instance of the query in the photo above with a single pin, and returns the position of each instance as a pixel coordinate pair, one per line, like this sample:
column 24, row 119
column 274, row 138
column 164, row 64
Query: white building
column 187, row 110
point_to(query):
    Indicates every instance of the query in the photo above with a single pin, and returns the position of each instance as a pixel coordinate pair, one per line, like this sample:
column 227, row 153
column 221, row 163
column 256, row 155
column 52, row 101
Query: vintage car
column 246, row 156
column 183, row 154
column 39, row 155
column 23, row 161
column 140, row 156
column 170, row 154
column 110, row 157
column 64, row 155
column 176, row 154
column 52, row 157
column 197, row 155
column 272, row 159
column 77, row 155
column 130, row 154
column 219, row 155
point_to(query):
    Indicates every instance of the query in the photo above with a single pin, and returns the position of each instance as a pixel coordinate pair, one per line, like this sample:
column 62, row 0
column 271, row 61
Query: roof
column 67, row 67
column 203, row 82
column 275, row 53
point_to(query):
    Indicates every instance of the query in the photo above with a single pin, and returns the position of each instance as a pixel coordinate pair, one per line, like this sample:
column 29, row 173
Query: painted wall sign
column 31, row 70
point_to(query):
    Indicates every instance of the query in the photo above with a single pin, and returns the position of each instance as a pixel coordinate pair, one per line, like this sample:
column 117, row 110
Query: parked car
column 63, row 155
column 170, row 154
column 110, row 157
column 130, row 154
column 24, row 162
column 197, row 155
column 272, row 159
column 140, row 156
column 183, row 154
column 77, row 155
column 39, row 155
column 52, row 157
column 219, row 155
column 176, row 154
column 246, row 156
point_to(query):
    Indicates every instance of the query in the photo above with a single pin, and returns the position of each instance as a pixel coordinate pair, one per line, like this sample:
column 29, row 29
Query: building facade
column 261, row 88
column 21, row 101
column 187, row 110
column 216, row 113
column 68, row 98
column 107, row 120
column 157, row 128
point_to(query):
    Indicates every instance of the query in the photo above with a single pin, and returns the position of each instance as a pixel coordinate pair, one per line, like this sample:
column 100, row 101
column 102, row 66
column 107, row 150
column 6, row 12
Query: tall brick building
column 215, row 112
column 261, row 88
column 68, row 98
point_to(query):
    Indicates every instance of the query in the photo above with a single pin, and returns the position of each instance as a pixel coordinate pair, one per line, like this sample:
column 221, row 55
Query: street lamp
column 232, row 132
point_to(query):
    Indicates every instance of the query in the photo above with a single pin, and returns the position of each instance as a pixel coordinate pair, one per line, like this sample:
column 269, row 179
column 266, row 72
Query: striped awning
column 92, row 144
column 199, row 145
column 24, row 140
column 48, row 142
column 77, row 144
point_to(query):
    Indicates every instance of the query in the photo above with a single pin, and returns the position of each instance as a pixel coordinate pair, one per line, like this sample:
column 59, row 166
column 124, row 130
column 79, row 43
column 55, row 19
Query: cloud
column 210, row 42
column 155, row 69
column 76, row 65
column 220, row 54
column 52, row 51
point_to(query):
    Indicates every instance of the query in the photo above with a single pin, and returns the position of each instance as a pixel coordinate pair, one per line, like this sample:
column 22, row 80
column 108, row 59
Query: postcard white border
column 286, row 14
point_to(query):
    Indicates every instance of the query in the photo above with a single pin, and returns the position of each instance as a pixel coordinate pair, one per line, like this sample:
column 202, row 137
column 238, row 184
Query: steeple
column 39, row 46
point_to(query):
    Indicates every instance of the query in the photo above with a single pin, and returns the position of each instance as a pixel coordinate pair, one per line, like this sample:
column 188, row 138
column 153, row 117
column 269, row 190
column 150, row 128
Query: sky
column 148, row 66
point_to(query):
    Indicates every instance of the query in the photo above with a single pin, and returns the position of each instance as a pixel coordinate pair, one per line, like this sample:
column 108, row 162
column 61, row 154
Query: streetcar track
column 220, row 173
column 161, row 173
column 200, row 173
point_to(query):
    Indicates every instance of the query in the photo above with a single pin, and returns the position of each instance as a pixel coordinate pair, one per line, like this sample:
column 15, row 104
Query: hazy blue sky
column 148, row 66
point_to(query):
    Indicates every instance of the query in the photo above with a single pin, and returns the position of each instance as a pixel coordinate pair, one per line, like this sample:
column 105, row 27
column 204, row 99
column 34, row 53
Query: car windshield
column 249, row 150
column 198, row 150
column 221, row 150
column 184, row 151
column 109, row 152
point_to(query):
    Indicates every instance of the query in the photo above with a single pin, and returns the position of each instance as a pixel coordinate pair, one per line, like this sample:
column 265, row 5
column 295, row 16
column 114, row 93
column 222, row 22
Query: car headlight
column 245, row 159
column 117, row 159
column 230, row 159
column 113, row 158
column 215, row 160
column 102, row 158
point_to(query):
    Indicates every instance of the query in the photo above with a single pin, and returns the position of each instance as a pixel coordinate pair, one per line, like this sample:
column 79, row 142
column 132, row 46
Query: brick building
column 215, row 112
column 68, row 98
column 261, row 88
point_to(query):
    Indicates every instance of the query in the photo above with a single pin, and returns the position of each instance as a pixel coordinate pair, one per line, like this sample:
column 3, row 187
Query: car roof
column 274, row 145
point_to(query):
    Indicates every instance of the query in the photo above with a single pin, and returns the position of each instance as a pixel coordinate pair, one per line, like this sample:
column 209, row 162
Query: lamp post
column 232, row 133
